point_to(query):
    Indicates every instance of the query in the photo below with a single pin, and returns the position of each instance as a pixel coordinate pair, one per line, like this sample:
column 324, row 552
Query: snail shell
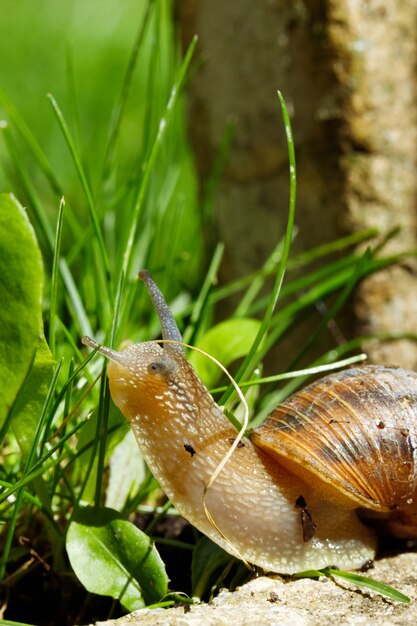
column 356, row 432
column 287, row 500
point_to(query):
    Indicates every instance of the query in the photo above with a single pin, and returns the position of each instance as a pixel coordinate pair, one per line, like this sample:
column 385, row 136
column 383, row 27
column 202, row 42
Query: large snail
column 288, row 498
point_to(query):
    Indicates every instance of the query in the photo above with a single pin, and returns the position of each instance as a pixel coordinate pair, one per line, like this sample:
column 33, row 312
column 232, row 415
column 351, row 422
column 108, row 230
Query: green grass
column 106, row 173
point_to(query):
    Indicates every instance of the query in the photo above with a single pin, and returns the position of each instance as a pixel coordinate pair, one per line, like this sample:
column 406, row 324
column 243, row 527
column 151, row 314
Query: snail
column 288, row 498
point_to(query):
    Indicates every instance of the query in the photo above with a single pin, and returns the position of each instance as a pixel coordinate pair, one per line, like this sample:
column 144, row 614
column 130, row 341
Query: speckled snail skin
column 287, row 500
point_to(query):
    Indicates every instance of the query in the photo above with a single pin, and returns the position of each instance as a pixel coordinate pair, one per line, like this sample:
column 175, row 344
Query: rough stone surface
column 299, row 603
column 374, row 46
column 387, row 302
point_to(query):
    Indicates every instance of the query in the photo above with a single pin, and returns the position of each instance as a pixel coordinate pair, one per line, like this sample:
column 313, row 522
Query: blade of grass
column 70, row 339
column 271, row 401
column 87, row 192
column 304, row 258
column 354, row 344
column 203, row 296
column 308, row 371
column 54, row 277
column 29, row 461
column 158, row 62
column 281, row 323
column 75, row 302
column 102, row 430
column 7, row 544
column 316, row 276
column 174, row 543
column 117, row 309
column 374, row 265
column 258, row 281
column 31, row 142
column 42, row 466
column 43, row 416
column 369, row 583
column 32, row 499
column 315, row 253
column 73, row 95
column 388, row 236
column 129, row 251
column 150, row 162
column 67, row 405
column 63, row 395
column 361, row 581
column 216, row 173
column 48, row 235
column 342, row 267
column 252, row 358
column 120, row 104
column 104, row 404
column 36, row 205
column 335, row 308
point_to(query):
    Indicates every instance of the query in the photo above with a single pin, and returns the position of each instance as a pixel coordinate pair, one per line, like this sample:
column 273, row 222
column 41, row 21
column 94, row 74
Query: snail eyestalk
column 112, row 355
column 169, row 328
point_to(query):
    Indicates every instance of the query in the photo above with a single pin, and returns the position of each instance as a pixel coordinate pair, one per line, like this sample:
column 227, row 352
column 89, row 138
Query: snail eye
column 165, row 366
column 157, row 367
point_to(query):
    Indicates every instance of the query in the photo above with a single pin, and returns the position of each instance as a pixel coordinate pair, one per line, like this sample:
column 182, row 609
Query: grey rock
column 305, row 602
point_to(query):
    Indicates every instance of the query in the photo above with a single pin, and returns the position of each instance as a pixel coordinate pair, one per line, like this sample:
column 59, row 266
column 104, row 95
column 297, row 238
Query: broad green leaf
column 127, row 471
column 21, row 285
column 227, row 341
column 111, row 557
column 31, row 398
column 208, row 559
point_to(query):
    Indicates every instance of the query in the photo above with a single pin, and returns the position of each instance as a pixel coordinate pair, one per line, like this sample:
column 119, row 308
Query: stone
column 304, row 602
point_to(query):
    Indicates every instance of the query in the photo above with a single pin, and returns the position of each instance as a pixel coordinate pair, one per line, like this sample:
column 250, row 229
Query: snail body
column 281, row 510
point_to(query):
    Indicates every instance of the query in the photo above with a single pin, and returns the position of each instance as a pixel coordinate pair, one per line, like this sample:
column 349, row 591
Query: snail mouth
column 112, row 355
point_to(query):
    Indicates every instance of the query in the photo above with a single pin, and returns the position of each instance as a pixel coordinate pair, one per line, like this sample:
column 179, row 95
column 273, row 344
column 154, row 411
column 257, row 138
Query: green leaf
column 227, row 341
column 309, row 573
column 31, row 398
column 369, row 583
column 357, row 579
column 27, row 410
column 112, row 557
column 21, row 285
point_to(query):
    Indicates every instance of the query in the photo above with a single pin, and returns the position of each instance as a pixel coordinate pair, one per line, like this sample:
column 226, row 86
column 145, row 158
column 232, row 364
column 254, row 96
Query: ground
column 299, row 603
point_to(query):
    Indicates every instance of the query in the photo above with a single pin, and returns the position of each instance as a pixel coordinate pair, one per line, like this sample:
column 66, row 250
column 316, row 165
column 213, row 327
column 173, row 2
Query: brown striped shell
column 356, row 431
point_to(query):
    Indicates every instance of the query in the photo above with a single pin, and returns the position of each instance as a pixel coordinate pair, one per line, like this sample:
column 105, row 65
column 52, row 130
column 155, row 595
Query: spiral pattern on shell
column 355, row 430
